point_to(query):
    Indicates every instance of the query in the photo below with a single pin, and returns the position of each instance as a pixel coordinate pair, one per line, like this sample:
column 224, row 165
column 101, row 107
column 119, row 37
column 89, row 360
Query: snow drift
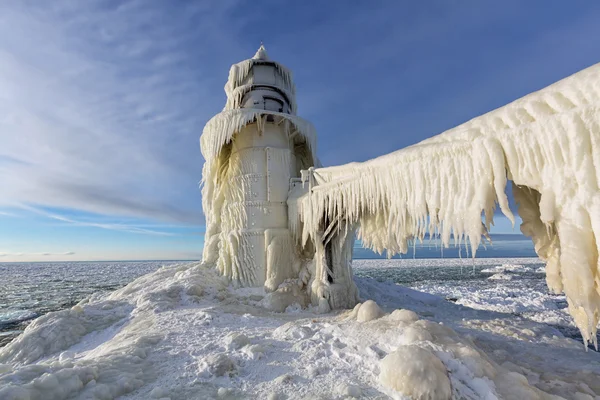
column 183, row 333
column 547, row 143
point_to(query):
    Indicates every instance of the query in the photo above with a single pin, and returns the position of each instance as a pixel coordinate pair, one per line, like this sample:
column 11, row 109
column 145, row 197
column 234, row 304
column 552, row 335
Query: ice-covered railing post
column 254, row 151
column 333, row 243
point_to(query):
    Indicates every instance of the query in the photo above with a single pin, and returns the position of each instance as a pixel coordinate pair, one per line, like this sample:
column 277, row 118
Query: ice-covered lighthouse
column 255, row 151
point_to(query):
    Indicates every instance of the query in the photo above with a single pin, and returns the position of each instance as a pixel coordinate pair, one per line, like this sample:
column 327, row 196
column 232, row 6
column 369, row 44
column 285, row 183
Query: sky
column 102, row 102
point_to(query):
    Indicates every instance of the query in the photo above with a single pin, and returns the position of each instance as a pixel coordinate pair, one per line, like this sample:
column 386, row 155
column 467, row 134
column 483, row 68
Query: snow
column 547, row 143
column 182, row 332
column 415, row 372
column 522, row 295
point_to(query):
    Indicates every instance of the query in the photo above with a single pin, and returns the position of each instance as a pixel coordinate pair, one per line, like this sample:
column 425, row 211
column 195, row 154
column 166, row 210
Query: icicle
column 220, row 129
column 547, row 143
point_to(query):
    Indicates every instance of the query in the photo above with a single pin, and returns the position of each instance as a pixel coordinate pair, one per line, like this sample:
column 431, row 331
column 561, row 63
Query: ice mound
column 406, row 316
column 58, row 331
column 368, row 311
column 349, row 391
column 16, row 316
column 236, row 340
column 219, row 365
column 503, row 277
column 416, row 333
column 415, row 372
column 508, row 268
column 109, row 339
column 288, row 295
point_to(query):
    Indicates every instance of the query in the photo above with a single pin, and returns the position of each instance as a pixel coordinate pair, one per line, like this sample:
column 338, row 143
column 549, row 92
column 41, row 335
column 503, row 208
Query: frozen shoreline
column 445, row 262
column 180, row 332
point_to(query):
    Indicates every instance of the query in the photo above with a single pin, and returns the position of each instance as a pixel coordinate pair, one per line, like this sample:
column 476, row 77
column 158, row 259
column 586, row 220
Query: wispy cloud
column 102, row 106
column 10, row 254
column 66, row 253
column 110, row 226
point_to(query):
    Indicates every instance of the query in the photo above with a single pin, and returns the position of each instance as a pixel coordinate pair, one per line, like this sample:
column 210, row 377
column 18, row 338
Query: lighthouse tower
column 252, row 150
column 255, row 152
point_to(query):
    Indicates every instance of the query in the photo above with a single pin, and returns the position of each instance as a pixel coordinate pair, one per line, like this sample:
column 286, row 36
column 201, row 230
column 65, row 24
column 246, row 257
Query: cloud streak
column 109, row 226
column 66, row 253
column 105, row 115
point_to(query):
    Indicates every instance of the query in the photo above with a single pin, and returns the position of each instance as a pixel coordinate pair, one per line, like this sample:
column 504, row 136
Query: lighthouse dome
column 261, row 83
column 261, row 54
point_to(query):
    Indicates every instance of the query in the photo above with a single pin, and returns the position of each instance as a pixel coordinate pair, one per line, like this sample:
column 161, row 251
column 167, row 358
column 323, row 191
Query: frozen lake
column 33, row 289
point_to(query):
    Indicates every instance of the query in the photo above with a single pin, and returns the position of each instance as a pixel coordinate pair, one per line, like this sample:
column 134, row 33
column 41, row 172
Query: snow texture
column 547, row 143
column 182, row 333
column 416, row 372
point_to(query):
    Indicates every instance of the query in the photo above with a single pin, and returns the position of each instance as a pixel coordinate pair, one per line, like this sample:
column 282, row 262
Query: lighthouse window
column 273, row 104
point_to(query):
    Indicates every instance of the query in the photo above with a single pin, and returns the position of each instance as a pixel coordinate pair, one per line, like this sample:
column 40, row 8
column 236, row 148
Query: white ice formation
column 254, row 151
column 401, row 369
column 547, row 143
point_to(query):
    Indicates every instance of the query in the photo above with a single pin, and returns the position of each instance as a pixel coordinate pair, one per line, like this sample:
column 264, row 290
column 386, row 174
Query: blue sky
column 102, row 102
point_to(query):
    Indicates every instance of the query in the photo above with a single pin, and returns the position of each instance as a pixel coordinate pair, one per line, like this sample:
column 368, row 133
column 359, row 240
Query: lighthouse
column 255, row 152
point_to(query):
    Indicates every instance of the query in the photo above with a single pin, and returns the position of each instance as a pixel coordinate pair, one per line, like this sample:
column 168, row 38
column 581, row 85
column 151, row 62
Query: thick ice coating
column 265, row 228
column 251, row 151
column 254, row 153
column 547, row 143
column 416, row 372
